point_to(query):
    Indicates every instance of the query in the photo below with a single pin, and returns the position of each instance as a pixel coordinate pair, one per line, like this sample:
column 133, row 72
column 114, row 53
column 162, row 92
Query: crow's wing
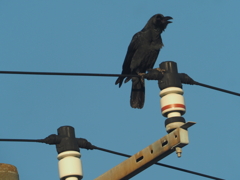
column 134, row 45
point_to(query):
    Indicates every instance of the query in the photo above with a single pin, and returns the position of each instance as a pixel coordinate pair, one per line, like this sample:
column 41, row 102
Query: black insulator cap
column 171, row 77
column 52, row 139
column 185, row 79
column 83, row 143
column 174, row 119
column 68, row 140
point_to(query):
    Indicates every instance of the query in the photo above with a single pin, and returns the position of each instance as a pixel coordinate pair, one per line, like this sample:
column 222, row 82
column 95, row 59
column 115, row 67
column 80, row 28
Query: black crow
column 141, row 55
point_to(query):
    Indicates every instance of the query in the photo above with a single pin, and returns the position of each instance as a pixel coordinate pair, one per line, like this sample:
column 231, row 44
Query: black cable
column 109, row 151
column 185, row 79
column 160, row 164
column 111, row 75
column 215, row 88
column 23, row 140
column 117, row 153
column 66, row 74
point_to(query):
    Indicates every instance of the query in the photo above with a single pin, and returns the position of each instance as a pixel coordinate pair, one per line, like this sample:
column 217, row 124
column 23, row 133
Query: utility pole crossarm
column 148, row 156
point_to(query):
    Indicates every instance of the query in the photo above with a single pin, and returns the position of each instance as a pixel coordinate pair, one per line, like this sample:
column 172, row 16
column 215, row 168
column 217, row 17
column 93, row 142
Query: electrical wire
column 105, row 75
column 120, row 154
column 160, row 164
column 23, row 140
column 66, row 74
column 216, row 88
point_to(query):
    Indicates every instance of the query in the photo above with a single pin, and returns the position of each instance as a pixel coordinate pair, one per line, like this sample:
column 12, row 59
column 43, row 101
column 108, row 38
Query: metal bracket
column 149, row 155
column 187, row 125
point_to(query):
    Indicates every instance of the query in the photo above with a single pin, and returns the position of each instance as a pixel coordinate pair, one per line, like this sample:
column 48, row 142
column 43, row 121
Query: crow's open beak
column 166, row 19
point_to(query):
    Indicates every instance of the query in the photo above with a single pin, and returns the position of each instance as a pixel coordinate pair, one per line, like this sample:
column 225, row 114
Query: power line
column 112, row 152
column 216, row 88
column 160, row 164
column 66, row 74
column 23, row 140
column 190, row 81
column 185, row 79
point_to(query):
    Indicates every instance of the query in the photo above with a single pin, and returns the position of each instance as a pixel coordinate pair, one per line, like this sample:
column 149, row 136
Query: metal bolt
column 178, row 151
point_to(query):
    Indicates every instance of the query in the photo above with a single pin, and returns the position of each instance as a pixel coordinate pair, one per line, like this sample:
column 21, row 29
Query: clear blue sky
column 92, row 37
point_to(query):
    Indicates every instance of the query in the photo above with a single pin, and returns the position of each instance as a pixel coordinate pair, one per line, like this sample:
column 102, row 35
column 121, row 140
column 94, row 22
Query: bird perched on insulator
column 141, row 55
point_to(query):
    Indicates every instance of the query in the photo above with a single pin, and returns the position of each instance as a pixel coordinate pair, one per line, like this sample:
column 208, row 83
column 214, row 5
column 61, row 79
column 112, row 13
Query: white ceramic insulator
column 173, row 114
column 71, row 178
column 70, row 165
column 172, row 101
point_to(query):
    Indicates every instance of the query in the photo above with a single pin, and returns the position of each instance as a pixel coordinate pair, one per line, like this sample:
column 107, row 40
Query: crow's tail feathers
column 137, row 93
